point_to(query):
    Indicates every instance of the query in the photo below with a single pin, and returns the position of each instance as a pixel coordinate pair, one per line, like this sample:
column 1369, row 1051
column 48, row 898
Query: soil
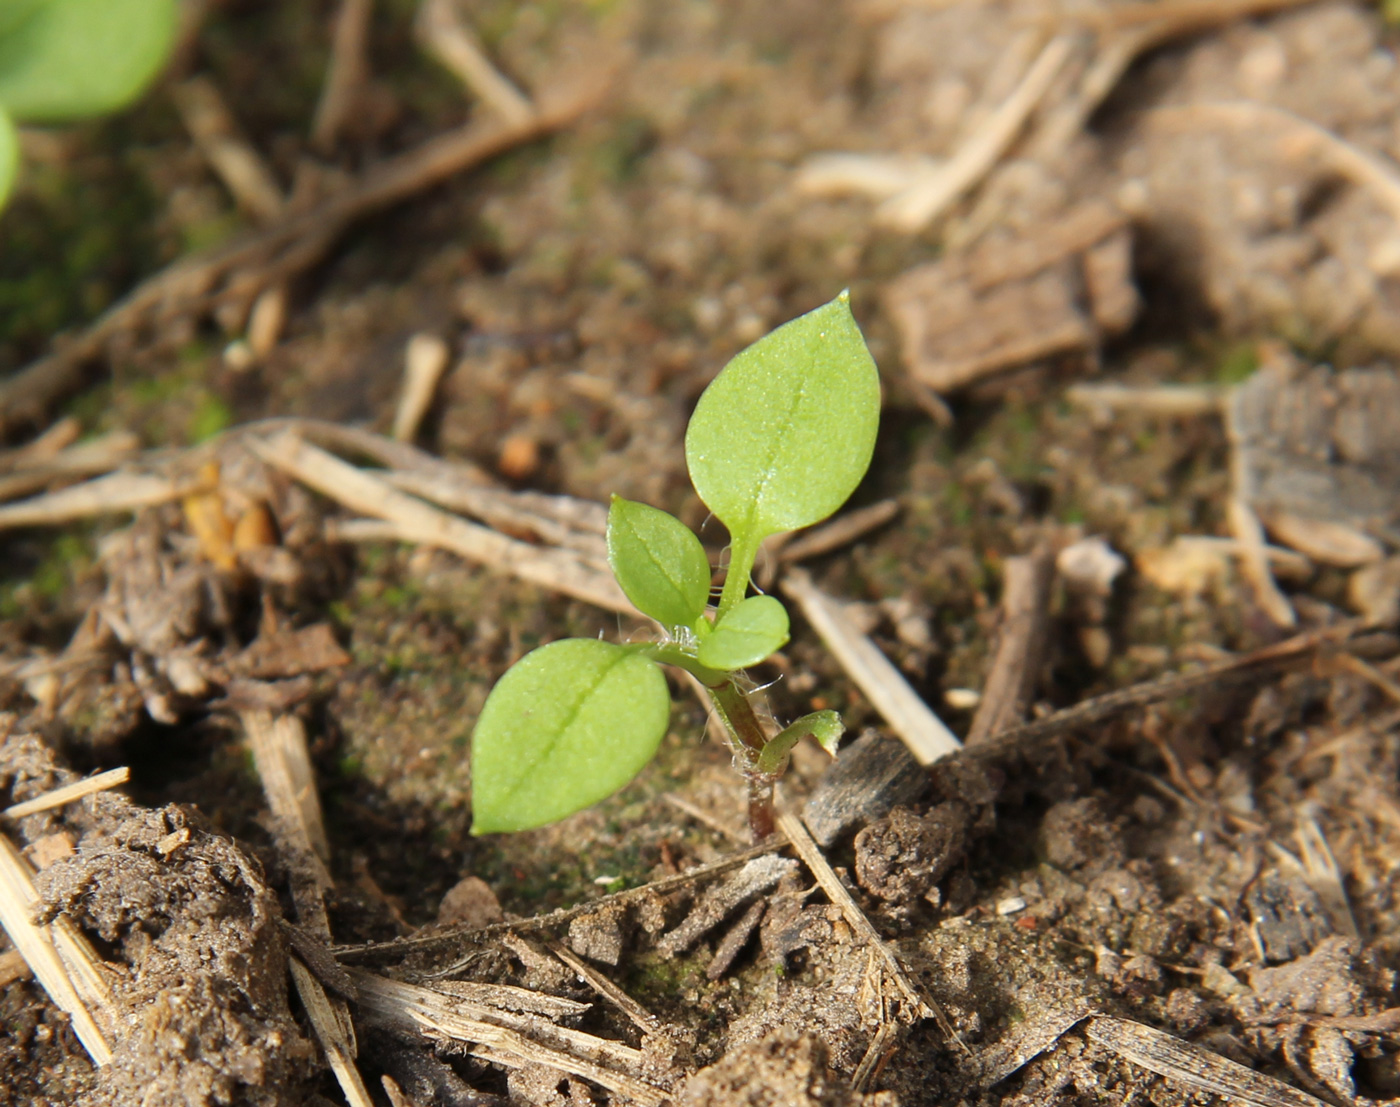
column 1161, row 870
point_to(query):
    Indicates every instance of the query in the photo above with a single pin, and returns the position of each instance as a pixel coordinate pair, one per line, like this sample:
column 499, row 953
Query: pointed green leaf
column 747, row 635
column 783, row 435
column 567, row 726
column 9, row 156
column 66, row 59
column 659, row 563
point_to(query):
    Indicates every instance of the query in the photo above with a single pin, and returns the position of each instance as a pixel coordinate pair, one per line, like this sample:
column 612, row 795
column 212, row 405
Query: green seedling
column 62, row 60
column 778, row 441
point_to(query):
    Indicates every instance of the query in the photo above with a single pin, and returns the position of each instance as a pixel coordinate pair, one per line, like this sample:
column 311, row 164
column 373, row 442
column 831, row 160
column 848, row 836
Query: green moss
column 1237, row 363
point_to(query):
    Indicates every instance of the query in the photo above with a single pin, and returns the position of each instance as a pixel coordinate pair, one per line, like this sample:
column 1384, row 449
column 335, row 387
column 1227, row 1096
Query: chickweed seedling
column 779, row 440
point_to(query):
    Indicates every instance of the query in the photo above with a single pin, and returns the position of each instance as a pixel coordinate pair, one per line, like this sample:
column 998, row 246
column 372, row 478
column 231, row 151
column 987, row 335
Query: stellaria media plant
column 778, row 441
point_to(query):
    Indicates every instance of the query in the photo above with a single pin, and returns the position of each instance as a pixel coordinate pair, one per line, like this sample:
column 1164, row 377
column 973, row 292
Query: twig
column 1324, row 875
column 345, row 75
column 416, row 521
column 1251, row 666
column 1183, row 16
column 444, row 34
column 455, row 937
column 228, row 153
column 1020, row 649
column 297, row 240
column 889, row 693
column 811, row 854
column 425, row 360
column 68, row 793
column 44, row 949
column 915, row 208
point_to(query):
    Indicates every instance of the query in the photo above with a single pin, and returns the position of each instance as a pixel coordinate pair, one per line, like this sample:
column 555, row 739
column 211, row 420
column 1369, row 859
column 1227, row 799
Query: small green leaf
column 747, row 635
column 567, row 726
column 783, row 435
column 659, row 563
column 66, row 59
column 9, row 156
column 825, row 726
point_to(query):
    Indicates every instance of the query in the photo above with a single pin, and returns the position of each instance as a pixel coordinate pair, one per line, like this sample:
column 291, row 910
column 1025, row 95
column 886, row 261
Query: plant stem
column 743, row 551
column 748, row 740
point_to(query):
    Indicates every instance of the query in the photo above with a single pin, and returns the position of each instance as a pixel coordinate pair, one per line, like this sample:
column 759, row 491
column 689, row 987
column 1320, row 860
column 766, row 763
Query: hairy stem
column 748, row 739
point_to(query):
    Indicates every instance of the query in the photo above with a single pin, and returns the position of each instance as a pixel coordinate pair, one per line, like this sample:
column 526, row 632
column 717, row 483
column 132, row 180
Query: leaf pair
column 663, row 570
column 70, row 59
column 778, row 441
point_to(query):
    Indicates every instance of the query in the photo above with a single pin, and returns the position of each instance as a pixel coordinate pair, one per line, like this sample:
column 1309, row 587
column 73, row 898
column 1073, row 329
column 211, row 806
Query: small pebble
column 1010, row 905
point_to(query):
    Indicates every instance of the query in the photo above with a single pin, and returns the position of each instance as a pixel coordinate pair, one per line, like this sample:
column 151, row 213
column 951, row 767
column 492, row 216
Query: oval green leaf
column 569, row 724
column 747, row 635
column 68, row 59
column 783, row 435
column 659, row 563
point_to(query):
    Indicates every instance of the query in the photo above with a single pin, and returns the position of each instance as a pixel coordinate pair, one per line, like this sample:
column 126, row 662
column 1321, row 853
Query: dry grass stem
column 1169, row 400
column 217, row 136
column 690, row 810
column 101, row 455
column 117, row 492
column 509, row 1038
column 1254, row 563
column 59, row 797
column 52, row 955
column 1191, row 1066
column 643, row 1019
column 425, row 360
column 335, row 1033
column 416, row 521
column 345, row 75
column 874, row 176
column 1324, row 875
column 889, row 693
column 283, row 762
column 445, row 34
column 807, row 849
column 917, row 207
column 62, row 434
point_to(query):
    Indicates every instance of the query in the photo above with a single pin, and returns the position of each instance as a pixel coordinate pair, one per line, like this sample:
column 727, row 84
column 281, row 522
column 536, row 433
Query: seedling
column 779, row 440
column 62, row 60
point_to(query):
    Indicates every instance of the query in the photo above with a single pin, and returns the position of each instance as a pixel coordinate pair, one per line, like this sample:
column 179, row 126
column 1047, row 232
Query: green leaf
column 9, row 156
column 783, row 435
column 747, row 635
column 67, row 59
column 825, row 726
column 568, row 725
column 659, row 563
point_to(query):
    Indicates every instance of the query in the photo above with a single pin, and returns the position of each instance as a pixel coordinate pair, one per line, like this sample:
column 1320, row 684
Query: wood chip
column 889, row 693
column 1020, row 645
